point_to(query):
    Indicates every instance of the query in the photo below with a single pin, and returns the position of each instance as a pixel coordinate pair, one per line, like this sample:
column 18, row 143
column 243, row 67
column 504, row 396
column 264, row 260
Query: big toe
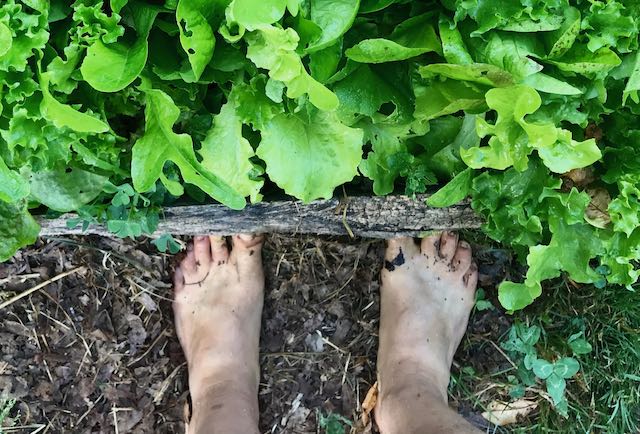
column 247, row 251
column 399, row 250
column 188, row 264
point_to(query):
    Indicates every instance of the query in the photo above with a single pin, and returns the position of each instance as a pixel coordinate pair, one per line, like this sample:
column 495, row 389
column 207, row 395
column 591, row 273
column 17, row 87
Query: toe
column 219, row 249
column 470, row 278
column 178, row 280
column 401, row 249
column 202, row 251
column 188, row 264
column 430, row 245
column 462, row 258
column 247, row 250
column 448, row 245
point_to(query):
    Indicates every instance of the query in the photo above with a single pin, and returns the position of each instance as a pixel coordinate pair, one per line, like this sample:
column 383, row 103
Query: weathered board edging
column 373, row 217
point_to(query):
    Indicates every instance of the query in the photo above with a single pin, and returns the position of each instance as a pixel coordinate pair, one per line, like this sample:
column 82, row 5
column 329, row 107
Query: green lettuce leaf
column 334, row 17
column 62, row 115
column 160, row 144
column 17, row 228
column 610, row 24
column 110, row 68
column 196, row 34
column 24, row 30
column 226, row 154
column 255, row 14
column 388, row 156
column 13, row 187
column 511, row 136
column 441, row 98
column 412, row 38
column 625, row 208
column 273, row 49
column 65, row 190
column 309, row 158
column 539, row 15
column 582, row 61
column 454, row 191
column 453, row 47
column 365, row 90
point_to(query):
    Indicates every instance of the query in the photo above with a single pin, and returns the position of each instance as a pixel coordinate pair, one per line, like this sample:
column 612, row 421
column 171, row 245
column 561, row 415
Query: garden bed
column 98, row 348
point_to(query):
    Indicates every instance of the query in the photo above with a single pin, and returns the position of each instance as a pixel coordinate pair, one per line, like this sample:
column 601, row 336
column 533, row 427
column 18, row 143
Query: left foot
column 217, row 308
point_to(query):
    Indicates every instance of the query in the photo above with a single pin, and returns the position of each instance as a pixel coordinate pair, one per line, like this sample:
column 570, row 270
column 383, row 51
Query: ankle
column 403, row 408
column 405, row 372
column 225, row 407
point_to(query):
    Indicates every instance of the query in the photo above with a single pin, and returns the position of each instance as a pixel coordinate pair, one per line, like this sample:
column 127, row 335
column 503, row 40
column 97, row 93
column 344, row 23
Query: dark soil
column 96, row 351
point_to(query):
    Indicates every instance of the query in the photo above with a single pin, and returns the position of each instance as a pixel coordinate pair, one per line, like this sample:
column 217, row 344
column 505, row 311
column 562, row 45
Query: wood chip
column 369, row 403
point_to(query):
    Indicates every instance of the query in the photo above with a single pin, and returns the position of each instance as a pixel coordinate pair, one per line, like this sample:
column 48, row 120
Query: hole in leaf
column 387, row 108
column 183, row 25
column 68, row 170
column 191, row 51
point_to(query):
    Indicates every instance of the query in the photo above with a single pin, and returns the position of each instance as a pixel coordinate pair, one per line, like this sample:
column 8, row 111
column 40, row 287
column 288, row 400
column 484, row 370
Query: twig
column 115, row 419
column 331, row 344
column 166, row 383
column 91, row 407
column 346, row 368
column 21, row 278
column 38, row 287
column 344, row 202
column 501, row 352
column 153, row 344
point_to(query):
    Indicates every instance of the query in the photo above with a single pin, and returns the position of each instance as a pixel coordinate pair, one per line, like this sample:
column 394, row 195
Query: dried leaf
column 369, row 403
column 505, row 413
column 580, row 177
column 149, row 303
column 596, row 213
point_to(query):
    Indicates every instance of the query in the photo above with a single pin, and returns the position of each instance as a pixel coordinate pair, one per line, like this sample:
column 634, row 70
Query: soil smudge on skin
column 396, row 262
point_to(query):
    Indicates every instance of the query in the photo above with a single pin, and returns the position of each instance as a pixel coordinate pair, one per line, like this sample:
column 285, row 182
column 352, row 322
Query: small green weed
column 6, row 405
column 481, row 302
column 600, row 328
column 333, row 423
column 166, row 243
column 522, row 343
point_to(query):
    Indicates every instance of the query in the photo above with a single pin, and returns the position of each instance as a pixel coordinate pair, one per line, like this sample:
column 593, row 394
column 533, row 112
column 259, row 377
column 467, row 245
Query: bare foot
column 217, row 307
column 426, row 297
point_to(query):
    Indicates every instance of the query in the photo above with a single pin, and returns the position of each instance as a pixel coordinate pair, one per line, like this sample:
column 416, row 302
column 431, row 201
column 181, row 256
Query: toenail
column 464, row 245
column 246, row 237
column 199, row 238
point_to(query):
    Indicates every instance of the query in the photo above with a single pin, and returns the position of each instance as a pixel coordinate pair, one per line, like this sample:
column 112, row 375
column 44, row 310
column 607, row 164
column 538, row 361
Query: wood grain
column 373, row 217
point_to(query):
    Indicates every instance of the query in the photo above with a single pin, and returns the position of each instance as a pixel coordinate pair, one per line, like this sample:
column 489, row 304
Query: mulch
column 96, row 351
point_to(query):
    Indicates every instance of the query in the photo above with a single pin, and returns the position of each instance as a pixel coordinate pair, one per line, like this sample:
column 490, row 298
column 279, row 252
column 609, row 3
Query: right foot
column 427, row 294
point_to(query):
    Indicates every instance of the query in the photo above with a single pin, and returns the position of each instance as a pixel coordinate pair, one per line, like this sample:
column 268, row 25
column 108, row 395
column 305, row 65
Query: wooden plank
column 373, row 217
